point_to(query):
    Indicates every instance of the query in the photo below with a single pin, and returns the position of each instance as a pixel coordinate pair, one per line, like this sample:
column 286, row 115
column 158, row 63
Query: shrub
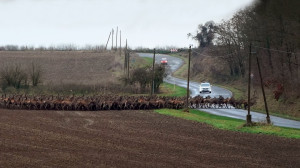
column 10, row 90
column 14, row 76
column 35, row 74
column 143, row 77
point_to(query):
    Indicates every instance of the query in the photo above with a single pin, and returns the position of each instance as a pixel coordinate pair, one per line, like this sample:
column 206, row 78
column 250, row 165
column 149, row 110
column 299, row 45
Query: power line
column 222, row 56
column 214, row 56
column 275, row 50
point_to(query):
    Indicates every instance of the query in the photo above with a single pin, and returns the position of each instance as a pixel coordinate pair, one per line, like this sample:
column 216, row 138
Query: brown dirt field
column 66, row 67
column 132, row 139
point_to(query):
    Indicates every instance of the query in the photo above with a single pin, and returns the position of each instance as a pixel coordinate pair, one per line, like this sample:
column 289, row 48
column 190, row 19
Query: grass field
column 70, row 72
column 231, row 124
column 66, row 67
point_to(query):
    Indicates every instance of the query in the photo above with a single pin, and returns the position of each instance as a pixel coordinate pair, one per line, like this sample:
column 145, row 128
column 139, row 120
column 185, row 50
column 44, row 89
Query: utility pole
column 188, row 81
column 125, row 61
column 107, row 41
column 128, row 59
column 249, row 82
column 112, row 39
column 117, row 38
column 120, row 44
column 263, row 91
column 153, row 73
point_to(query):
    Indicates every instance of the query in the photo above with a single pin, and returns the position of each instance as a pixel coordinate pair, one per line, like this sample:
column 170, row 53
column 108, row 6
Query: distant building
column 174, row 50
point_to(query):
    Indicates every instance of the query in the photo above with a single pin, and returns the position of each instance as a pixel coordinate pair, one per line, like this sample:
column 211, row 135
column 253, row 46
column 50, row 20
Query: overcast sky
column 147, row 23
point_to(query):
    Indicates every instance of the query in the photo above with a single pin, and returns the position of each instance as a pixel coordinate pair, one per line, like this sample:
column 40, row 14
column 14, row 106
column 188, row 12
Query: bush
column 16, row 76
column 143, row 77
column 13, row 76
column 35, row 74
column 10, row 90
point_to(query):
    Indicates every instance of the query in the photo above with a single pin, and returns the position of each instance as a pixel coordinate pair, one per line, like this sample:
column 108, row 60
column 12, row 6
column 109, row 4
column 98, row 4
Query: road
column 174, row 63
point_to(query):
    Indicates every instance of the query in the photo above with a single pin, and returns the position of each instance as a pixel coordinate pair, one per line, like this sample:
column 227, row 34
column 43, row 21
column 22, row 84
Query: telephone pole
column 117, row 38
column 188, row 81
column 128, row 66
column 107, row 41
column 249, row 82
column 120, row 43
column 125, row 61
column 153, row 74
column 263, row 91
column 112, row 39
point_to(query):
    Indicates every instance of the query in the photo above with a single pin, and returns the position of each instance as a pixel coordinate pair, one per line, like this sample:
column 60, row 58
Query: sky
column 144, row 23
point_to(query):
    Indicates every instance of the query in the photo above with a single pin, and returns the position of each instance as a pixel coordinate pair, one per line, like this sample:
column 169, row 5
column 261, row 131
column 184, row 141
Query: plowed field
column 132, row 139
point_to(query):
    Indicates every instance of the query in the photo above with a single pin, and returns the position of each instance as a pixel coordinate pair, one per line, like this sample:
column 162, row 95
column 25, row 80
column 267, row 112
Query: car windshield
column 164, row 59
column 205, row 85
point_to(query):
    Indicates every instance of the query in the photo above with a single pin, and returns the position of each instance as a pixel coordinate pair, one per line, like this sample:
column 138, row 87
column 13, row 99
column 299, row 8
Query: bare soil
column 132, row 139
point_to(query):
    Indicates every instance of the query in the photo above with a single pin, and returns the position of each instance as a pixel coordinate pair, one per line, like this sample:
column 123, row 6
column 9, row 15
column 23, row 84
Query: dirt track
column 132, row 139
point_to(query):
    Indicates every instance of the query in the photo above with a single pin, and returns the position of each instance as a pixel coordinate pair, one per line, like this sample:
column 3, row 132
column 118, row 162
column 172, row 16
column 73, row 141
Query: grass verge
column 180, row 72
column 171, row 90
column 259, row 107
column 148, row 61
column 227, row 123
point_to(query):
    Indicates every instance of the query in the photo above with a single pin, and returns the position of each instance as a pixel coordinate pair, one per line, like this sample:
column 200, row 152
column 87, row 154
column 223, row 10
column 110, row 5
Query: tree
column 205, row 34
column 159, row 74
column 142, row 76
column 273, row 29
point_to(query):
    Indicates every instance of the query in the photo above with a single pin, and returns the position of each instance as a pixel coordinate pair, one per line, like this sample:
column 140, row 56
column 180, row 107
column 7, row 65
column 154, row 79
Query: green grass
column 227, row 123
column 171, row 90
column 273, row 113
column 148, row 61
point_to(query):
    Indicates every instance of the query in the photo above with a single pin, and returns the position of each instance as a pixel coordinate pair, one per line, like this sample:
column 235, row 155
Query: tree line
column 271, row 27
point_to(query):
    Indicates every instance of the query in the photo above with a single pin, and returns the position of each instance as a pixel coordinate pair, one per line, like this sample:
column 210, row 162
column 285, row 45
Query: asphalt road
column 174, row 63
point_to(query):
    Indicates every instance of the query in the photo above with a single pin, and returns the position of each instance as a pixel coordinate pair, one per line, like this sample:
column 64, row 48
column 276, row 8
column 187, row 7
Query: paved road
column 174, row 63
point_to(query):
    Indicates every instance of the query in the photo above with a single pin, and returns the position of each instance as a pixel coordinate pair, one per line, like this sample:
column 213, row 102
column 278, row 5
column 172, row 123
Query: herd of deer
column 97, row 103
column 220, row 102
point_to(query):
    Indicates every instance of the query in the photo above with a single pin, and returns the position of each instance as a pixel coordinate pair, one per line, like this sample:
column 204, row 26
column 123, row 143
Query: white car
column 205, row 87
